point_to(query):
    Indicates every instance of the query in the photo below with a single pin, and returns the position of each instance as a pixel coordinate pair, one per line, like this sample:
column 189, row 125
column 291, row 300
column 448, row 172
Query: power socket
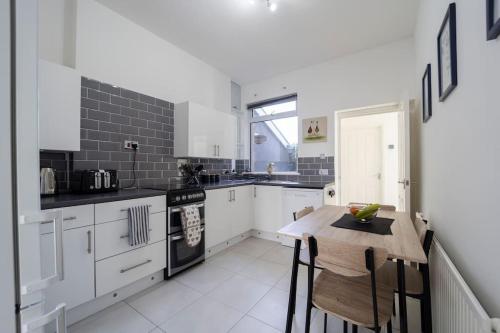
column 129, row 144
column 323, row 172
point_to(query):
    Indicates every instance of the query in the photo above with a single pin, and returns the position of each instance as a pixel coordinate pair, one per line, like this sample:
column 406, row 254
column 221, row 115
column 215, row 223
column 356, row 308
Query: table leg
column 403, row 315
column 293, row 287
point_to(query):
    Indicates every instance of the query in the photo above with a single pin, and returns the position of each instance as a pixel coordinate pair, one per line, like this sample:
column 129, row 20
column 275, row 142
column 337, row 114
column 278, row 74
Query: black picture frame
column 449, row 26
column 427, row 94
column 492, row 25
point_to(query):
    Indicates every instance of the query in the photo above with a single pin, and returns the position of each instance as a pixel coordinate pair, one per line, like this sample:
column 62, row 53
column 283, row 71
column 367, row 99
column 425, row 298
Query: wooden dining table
column 403, row 245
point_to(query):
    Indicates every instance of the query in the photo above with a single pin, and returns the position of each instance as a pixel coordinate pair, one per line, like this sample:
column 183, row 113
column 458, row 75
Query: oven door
column 181, row 256
column 174, row 217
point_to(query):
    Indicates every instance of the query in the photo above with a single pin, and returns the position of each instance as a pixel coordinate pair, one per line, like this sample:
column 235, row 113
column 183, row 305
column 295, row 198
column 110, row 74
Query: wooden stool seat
column 387, row 274
column 350, row 298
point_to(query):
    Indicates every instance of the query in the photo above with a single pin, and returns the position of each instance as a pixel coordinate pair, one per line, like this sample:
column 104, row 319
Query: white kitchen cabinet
column 78, row 284
column 217, row 217
column 242, row 211
column 203, row 132
column 295, row 200
column 268, row 208
column 59, row 107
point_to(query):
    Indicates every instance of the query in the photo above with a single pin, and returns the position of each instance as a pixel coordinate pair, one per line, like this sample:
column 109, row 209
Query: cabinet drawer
column 78, row 216
column 119, row 271
column 117, row 210
column 110, row 237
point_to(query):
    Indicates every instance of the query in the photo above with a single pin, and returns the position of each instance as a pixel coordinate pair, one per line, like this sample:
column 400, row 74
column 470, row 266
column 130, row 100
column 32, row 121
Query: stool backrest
column 345, row 258
column 301, row 213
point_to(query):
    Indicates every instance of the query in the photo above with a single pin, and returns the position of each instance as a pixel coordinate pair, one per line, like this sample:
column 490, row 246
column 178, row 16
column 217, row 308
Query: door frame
column 358, row 112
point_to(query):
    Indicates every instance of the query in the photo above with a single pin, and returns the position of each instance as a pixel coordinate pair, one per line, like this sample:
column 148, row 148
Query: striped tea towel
column 191, row 225
column 138, row 225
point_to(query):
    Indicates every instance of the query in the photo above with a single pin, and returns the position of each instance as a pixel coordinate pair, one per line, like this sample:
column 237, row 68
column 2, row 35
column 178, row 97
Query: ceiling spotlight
column 252, row 2
column 272, row 6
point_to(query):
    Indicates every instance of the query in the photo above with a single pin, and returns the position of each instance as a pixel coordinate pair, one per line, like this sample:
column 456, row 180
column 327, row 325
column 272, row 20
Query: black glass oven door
column 181, row 255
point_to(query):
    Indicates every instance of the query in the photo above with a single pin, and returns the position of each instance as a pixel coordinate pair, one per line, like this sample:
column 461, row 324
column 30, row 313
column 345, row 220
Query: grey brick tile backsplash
column 110, row 115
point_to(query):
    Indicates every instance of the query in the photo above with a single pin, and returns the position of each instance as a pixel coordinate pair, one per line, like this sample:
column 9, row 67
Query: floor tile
column 160, row 303
column 119, row 318
column 203, row 316
column 279, row 254
column 336, row 325
column 240, row 293
column 265, row 271
column 254, row 247
column 272, row 310
column 205, row 277
column 231, row 261
column 251, row 325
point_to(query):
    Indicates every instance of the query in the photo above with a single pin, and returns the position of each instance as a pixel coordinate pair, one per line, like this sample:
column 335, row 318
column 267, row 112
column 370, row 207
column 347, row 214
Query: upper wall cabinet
column 203, row 132
column 59, row 107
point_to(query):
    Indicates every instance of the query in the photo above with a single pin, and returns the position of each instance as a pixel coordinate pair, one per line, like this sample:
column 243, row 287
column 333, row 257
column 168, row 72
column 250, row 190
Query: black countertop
column 70, row 199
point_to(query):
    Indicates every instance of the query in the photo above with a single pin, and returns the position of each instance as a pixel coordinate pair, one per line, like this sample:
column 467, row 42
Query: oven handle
column 176, row 238
column 176, row 210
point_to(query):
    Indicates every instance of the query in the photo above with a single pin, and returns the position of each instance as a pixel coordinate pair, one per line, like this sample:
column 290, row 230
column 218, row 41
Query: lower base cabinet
column 78, row 284
column 268, row 210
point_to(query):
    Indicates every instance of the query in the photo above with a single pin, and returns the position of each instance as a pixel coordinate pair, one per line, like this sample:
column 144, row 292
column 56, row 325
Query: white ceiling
column 250, row 43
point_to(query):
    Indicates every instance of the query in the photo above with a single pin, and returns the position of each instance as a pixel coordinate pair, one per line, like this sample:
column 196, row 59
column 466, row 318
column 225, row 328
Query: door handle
column 89, row 242
column 59, row 314
column 56, row 217
column 124, row 270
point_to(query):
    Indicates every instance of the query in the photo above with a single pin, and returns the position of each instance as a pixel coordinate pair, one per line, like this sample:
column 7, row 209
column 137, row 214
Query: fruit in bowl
column 365, row 214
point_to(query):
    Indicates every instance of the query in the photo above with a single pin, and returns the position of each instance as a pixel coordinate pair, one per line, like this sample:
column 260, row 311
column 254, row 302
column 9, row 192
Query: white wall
column 110, row 48
column 460, row 148
column 376, row 76
column 7, row 314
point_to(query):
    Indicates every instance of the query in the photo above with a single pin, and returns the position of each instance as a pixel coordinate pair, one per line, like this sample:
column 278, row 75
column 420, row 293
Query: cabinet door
column 242, row 210
column 225, row 136
column 217, row 217
column 78, row 284
column 268, row 210
column 203, row 125
column 59, row 107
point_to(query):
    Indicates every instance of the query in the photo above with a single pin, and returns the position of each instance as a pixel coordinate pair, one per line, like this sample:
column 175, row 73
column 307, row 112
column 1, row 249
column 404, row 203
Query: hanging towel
column 191, row 225
column 138, row 225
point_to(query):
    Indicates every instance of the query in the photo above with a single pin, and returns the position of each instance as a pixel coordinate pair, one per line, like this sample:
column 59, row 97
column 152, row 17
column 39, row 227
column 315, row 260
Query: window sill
column 277, row 173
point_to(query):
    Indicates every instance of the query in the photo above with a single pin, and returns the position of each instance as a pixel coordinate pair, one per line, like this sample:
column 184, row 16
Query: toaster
column 94, row 181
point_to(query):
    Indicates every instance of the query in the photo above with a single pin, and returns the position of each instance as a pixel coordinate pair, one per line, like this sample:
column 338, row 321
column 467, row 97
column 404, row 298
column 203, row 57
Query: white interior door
column 404, row 158
column 361, row 165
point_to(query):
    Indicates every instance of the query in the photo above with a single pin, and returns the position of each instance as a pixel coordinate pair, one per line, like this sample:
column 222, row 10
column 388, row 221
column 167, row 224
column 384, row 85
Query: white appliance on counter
column 29, row 222
column 295, row 199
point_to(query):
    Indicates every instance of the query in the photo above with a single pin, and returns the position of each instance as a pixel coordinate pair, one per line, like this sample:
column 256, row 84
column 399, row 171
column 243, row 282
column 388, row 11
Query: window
column 274, row 134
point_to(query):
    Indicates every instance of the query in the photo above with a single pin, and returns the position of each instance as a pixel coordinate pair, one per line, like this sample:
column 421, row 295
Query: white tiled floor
column 241, row 290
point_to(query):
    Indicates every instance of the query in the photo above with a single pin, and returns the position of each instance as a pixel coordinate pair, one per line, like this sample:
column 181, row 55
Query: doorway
column 370, row 151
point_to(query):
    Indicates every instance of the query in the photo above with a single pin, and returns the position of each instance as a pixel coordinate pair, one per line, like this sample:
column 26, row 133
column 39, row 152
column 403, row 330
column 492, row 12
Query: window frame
column 258, row 119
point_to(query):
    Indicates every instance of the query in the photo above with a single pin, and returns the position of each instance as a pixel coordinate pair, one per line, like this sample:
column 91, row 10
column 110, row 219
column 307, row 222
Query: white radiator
column 455, row 309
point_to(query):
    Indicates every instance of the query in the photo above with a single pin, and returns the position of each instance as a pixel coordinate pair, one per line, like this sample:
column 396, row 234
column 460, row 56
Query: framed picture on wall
column 314, row 129
column 447, row 53
column 427, row 94
column 492, row 19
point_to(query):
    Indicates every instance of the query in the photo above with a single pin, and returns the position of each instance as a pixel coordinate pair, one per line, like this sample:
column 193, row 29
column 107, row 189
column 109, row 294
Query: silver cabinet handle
column 56, row 217
column 135, row 266
column 255, row 192
column 215, row 150
column 230, row 192
column 69, row 218
column 234, row 195
column 127, row 235
column 126, row 209
column 218, row 150
column 59, row 314
column 89, row 242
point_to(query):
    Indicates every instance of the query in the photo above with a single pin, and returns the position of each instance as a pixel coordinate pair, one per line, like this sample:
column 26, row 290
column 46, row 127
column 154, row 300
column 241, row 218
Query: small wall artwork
column 314, row 129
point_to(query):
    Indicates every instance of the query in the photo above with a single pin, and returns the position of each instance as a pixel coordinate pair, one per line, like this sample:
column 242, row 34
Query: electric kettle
column 48, row 181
